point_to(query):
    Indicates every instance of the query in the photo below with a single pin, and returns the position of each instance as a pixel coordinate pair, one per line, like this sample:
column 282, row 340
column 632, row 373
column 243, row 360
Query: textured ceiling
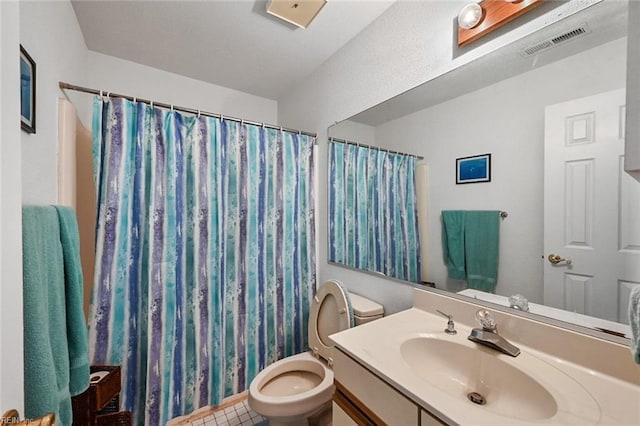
column 235, row 44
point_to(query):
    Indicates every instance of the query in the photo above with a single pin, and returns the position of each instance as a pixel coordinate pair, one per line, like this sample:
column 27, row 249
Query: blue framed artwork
column 473, row 169
column 27, row 92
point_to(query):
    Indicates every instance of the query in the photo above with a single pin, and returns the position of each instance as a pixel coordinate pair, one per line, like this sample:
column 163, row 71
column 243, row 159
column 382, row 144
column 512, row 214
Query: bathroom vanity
column 404, row 369
column 362, row 397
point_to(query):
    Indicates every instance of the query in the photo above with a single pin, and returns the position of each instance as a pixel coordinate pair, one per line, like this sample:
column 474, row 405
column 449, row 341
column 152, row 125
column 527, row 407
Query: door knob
column 556, row 259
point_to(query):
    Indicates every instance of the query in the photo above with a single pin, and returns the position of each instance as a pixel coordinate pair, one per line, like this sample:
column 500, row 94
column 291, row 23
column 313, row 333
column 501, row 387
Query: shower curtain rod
column 67, row 86
column 418, row 157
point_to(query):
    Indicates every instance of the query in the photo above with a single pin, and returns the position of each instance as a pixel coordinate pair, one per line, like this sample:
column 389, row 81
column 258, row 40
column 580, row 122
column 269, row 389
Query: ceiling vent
column 556, row 40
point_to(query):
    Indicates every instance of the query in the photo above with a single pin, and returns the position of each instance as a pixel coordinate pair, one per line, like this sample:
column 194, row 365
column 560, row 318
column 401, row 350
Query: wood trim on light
column 495, row 14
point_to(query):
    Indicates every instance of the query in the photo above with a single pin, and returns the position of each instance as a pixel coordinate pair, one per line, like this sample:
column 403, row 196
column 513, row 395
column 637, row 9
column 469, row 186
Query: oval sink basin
column 479, row 377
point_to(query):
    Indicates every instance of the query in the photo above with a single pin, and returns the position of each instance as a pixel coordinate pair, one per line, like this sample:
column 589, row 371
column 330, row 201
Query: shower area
column 197, row 242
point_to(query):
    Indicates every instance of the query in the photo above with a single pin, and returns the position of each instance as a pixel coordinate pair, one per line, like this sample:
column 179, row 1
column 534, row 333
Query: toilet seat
column 288, row 403
column 330, row 313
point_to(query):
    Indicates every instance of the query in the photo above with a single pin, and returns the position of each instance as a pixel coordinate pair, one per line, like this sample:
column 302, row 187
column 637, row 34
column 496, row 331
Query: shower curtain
column 205, row 253
column 373, row 214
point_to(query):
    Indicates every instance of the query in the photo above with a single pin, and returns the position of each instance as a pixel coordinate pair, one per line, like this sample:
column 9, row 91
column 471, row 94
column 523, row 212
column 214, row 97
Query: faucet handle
column 487, row 321
column 451, row 327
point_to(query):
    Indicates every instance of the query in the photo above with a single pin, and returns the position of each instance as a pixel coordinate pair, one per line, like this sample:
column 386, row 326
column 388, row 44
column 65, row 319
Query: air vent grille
column 568, row 36
column 556, row 40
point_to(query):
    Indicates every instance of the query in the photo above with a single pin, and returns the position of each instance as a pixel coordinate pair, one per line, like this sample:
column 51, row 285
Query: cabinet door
column 341, row 418
column 377, row 399
column 427, row 419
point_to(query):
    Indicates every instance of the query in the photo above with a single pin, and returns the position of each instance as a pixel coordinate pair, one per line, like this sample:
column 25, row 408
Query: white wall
column 507, row 120
column 11, row 343
column 411, row 43
column 51, row 34
column 354, row 132
column 129, row 78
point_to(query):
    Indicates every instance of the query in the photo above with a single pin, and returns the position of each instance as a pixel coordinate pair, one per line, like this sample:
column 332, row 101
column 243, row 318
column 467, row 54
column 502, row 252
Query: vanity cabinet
column 362, row 398
column 428, row 419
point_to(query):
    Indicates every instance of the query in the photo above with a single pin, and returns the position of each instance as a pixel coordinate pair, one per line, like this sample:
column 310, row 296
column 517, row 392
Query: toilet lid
column 330, row 313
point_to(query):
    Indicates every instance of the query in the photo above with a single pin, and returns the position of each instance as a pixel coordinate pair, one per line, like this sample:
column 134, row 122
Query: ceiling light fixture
column 298, row 12
column 476, row 20
column 470, row 16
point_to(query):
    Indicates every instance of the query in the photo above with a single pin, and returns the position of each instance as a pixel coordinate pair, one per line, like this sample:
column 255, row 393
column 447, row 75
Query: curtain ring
column 171, row 107
column 221, row 118
column 135, row 100
column 151, row 104
column 108, row 95
column 198, row 113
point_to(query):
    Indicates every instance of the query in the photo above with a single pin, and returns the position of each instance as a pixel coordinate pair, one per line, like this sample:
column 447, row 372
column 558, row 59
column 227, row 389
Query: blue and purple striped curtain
column 373, row 215
column 205, row 253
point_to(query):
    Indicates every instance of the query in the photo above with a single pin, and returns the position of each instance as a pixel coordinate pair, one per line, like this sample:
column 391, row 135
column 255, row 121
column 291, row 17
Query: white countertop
column 605, row 400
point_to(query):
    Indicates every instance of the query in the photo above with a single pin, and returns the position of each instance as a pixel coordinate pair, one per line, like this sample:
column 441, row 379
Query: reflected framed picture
column 27, row 92
column 473, row 169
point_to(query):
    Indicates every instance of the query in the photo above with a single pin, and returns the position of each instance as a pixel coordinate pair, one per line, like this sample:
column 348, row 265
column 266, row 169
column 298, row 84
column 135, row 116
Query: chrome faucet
column 488, row 335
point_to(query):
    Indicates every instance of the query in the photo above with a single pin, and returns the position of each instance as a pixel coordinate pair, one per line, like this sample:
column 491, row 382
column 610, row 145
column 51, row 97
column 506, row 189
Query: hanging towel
column 470, row 244
column 634, row 322
column 482, row 236
column 50, row 314
column 453, row 222
column 76, row 327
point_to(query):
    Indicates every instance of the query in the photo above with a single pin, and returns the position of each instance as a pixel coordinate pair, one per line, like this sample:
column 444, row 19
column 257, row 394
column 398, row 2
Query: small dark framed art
column 27, row 92
column 473, row 169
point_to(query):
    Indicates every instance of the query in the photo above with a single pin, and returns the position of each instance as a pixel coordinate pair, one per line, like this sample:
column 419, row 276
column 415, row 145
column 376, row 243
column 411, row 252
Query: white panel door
column 592, row 209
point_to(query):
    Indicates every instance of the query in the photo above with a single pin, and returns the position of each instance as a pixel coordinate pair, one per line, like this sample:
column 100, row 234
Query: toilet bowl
column 299, row 387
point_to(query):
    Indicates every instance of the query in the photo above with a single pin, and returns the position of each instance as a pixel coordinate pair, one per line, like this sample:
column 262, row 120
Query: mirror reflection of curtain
column 373, row 212
column 205, row 253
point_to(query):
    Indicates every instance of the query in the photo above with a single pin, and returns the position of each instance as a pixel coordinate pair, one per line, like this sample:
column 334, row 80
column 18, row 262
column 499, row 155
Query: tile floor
column 238, row 414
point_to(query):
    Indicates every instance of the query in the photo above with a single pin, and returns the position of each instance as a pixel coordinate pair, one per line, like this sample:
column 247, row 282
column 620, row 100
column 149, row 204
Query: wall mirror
column 528, row 104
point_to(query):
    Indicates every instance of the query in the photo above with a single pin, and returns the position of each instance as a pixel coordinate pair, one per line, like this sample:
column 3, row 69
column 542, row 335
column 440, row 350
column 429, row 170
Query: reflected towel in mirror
column 470, row 243
column 634, row 322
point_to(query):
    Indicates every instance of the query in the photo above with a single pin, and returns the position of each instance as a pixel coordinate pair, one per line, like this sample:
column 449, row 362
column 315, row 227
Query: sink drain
column 476, row 398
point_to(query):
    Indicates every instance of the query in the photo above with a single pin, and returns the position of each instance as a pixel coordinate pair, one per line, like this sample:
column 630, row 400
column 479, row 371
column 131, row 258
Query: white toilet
column 299, row 387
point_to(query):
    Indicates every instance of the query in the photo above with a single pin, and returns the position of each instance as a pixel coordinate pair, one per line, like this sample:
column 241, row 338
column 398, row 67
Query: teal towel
column 470, row 244
column 76, row 326
column 482, row 236
column 453, row 222
column 634, row 322
column 46, row 347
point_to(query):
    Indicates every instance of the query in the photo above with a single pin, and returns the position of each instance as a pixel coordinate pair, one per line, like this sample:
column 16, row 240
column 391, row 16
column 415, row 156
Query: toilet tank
column 365, row 310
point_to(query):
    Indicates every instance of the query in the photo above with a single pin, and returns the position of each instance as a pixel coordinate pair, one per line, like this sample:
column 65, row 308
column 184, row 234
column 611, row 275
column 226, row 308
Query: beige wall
column 86, row 209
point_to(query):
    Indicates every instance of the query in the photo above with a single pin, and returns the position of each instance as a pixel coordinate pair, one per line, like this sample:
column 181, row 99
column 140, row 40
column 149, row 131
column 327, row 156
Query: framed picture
column 27, row 92
column 473, row 169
